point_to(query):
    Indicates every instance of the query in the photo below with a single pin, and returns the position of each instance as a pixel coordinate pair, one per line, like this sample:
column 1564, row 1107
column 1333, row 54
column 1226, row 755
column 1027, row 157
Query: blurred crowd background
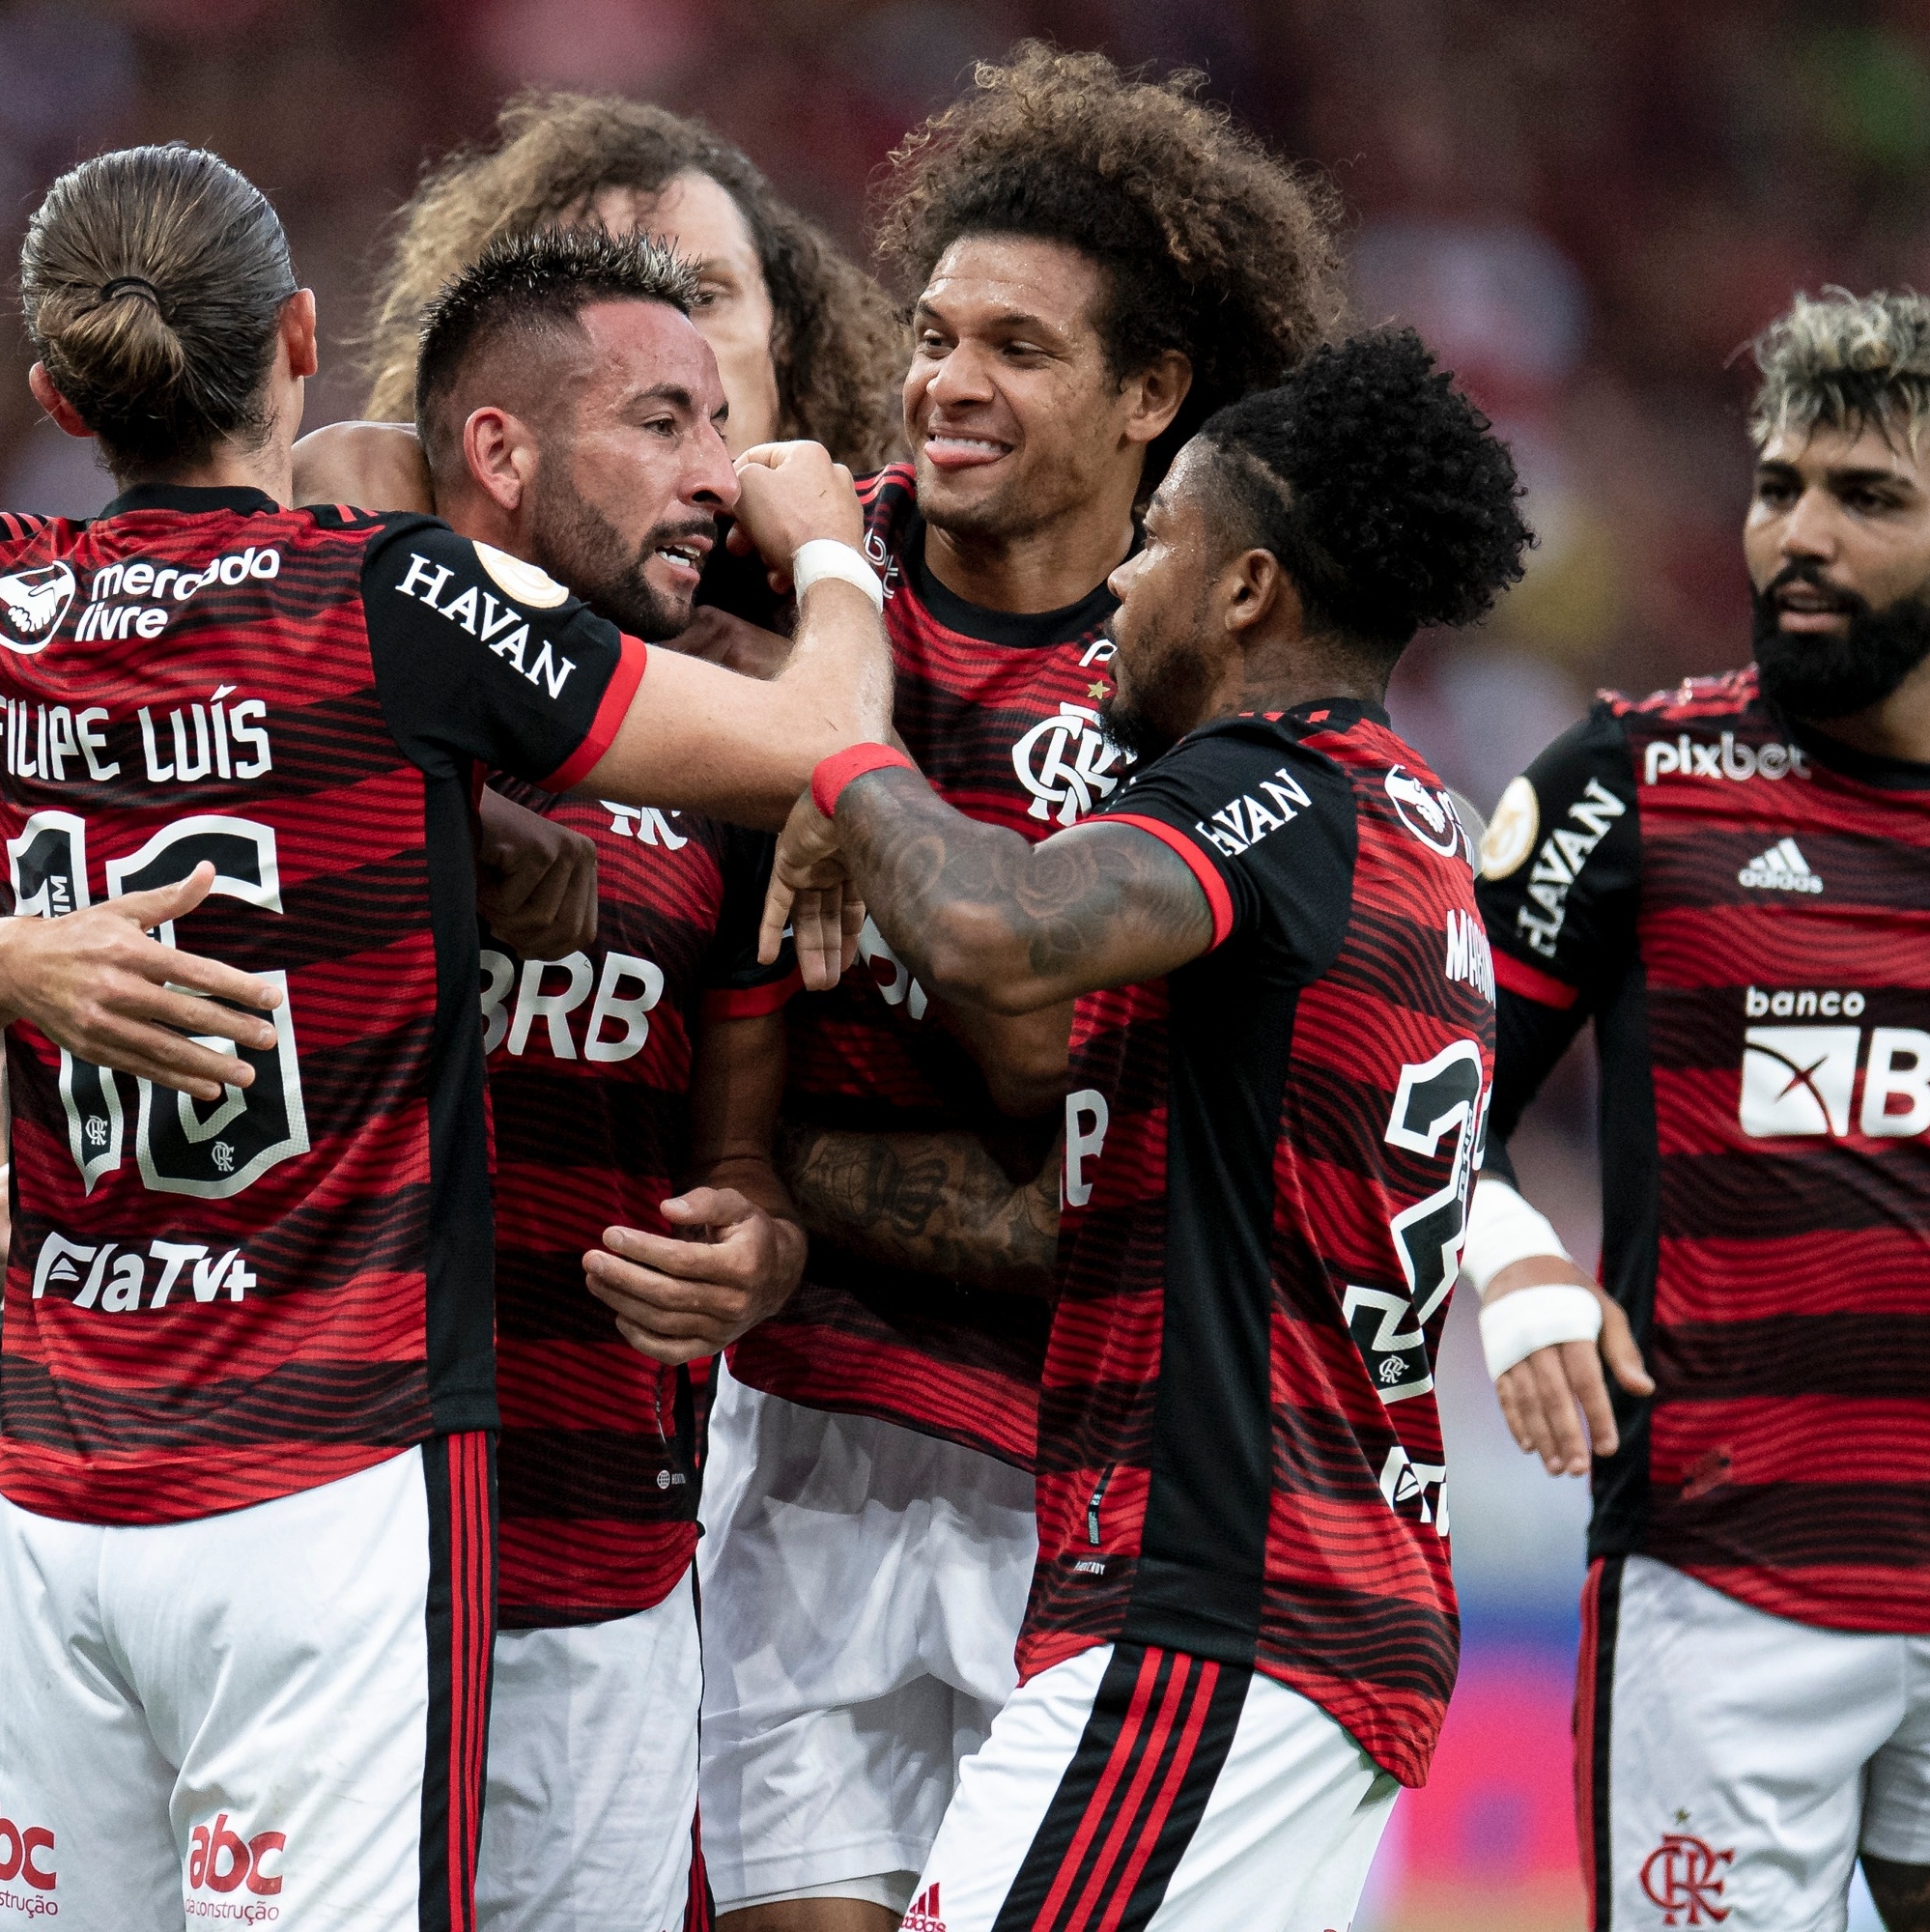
column 1587, row 206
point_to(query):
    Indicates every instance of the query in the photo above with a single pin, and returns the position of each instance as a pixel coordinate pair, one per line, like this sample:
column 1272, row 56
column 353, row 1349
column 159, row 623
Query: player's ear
column 54, row 402
column 1258, row 593
column 1154, row 396
column 501, row 456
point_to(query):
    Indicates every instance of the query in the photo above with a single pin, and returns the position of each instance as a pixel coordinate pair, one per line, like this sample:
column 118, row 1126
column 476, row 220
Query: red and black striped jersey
column 1001, row 712
column 208, row 1306
column 589, row 1065
column 1268, row 1156
column 1743, row 907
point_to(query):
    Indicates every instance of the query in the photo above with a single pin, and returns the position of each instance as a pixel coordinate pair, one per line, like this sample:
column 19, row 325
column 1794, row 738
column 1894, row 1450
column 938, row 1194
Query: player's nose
column 964, row 375
column 1810, row 529
column 710, row 478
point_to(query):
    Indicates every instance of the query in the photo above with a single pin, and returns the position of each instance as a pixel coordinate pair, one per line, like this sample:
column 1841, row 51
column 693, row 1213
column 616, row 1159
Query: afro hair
column 1208, row 243
column 1381, row 489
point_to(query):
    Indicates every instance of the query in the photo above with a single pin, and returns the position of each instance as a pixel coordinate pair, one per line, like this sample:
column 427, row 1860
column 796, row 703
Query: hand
column 1540, row 1394
column 674, row 1299
column 373, row 465
column 811, row 892
column 94, row 983
column 791, row 492
column 535, row 880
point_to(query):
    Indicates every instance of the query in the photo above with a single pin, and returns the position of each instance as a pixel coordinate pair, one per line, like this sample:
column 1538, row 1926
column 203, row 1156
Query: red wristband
column 832, row 774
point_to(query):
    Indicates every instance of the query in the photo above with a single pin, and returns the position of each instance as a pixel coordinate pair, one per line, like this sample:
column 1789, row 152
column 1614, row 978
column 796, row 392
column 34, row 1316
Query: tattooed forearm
column 984, row 915
column 938, row 1203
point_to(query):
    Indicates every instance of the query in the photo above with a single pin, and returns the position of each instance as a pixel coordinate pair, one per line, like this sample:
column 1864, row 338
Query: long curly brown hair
column 1209, row 244
column 838, row 343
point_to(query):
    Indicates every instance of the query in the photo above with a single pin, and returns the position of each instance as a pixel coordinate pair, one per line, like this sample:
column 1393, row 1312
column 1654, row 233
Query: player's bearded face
column 1824, row 674
column 580, row 546
column 1163, row 674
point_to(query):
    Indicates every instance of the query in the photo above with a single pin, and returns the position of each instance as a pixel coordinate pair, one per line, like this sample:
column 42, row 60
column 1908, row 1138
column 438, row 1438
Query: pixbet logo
column 1695, row 758
column 220, row 1859
column 1065, row 761
column 26, row 1854
column 1681, row 1875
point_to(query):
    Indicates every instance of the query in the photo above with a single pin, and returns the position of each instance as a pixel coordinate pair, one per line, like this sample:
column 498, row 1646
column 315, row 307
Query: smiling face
column 1837, row 541
column 633, row 468
column 733, row 313
column 1014, row 416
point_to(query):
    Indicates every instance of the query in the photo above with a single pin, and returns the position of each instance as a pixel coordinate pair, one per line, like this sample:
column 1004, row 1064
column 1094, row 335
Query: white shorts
column 273, row 1717
column 863, row 1589
column 590, row 1817
column 1137, row 1788
column 1730, row 1764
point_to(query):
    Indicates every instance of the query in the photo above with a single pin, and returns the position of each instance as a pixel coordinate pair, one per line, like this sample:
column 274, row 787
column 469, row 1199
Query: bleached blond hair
column 1845, row 361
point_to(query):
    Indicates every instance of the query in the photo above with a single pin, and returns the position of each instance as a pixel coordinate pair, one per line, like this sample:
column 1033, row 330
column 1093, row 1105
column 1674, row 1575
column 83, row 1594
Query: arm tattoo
column 937, row 1204
column 1097, row 905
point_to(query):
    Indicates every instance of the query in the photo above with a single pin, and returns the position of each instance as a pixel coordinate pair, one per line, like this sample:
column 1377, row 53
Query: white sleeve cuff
column 1528, row 1319
column 1502, row 1229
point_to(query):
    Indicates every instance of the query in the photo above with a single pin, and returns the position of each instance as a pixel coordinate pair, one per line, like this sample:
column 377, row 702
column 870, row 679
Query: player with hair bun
column 1241, row 1634
column 247, row 1391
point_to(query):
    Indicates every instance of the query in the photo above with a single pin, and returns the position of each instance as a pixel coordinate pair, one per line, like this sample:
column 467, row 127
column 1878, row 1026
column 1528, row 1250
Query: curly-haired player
column 805, row 342
column 1242, row 1633
column 1098, row 261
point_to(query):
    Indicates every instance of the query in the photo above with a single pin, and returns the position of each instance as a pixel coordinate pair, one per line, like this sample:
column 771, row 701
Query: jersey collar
column 1866, row 767
column 179, row 497
column 1016, row 629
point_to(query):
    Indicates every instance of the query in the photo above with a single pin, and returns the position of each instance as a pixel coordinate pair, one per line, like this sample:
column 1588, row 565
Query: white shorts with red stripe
column 1731, row 1764
column 590, row 1818
column 1132, row 1789
column 862, row 1588
column 273, row 1717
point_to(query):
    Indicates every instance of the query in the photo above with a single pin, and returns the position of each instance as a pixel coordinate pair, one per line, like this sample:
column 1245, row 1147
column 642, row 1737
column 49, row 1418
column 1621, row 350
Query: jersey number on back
column 180, row 1145
column 1435, row 1099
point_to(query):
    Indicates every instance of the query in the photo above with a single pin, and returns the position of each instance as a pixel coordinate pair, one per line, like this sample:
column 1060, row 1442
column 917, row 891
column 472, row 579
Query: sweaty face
column 1838, row 546
column 734, row 312
column 633, row 470
column 1166, row 668
column 1010, row 410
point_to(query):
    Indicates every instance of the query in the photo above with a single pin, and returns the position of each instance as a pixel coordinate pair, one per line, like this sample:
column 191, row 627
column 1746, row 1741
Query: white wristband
column 1502, row 1229
column 826, row 557
column 1527, row 1319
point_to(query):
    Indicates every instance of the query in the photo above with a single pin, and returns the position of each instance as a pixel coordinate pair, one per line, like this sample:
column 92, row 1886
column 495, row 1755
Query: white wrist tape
column 1527, row 1319
column 826, row 557
column 1502, row 1229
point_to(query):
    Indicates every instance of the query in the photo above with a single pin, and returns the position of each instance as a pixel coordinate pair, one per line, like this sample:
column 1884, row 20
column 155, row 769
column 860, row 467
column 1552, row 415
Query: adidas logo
column 924, row 1914
column 1782, row 868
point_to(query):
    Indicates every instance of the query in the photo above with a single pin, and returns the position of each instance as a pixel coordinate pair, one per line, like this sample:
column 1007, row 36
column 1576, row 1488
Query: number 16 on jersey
column 180, row 1148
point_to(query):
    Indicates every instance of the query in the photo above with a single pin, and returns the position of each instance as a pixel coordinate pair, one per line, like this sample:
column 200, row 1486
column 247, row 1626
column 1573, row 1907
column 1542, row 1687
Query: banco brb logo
column 1682, row 1875
column 1065, row 761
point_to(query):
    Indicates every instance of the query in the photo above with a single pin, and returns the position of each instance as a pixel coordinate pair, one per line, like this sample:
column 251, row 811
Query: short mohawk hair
column 1381, row 489
column 543, row 279
column 1844, row 361
column 1208, row 245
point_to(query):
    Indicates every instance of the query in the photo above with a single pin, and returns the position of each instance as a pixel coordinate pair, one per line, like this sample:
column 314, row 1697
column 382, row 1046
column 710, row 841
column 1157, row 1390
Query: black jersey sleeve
column 737, row 983
column 479, row 655
column 1267, row 828
column 1560, row 873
